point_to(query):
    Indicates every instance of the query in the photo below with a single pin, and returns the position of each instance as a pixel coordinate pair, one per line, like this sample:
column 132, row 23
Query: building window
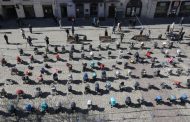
column 94, row 9
column 185, row 9
column 133, row 8
column 161, row 9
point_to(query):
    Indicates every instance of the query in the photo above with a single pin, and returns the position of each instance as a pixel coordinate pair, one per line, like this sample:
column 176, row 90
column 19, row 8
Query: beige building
column 93, row 8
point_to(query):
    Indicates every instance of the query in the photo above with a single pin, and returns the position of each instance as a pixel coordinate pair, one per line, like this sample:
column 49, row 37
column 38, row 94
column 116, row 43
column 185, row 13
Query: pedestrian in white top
column 60, row 23
column 91, row 55
column 178, row 52
column 172, row 27
column 118, row 27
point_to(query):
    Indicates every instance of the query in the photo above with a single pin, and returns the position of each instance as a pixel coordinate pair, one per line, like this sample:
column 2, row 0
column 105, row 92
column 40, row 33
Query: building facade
column 93, row 8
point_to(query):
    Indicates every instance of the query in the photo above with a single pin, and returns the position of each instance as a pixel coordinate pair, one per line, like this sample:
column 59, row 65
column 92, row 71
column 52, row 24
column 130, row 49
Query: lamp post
column 104, row 8
column 55, row 8
column 115, row 12
column 133, row 14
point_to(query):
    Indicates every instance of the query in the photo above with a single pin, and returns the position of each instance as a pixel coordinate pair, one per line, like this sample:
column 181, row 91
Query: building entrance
column 9, row 12
column 112, row 11
column 29, row 11
column 63, row 10
column 48, row 11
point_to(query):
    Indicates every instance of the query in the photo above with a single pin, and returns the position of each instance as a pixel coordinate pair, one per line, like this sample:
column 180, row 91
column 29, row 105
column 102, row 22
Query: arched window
column 133, row 8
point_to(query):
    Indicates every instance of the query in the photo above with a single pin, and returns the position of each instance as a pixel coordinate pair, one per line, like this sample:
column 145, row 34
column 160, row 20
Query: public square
column 103, row 112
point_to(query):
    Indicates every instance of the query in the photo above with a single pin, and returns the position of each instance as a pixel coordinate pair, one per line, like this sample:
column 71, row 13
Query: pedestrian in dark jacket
column 29, row 40
column 46, row 40
column 6, row 39
column 30, row 28
column 73, row 30
column 67, row 31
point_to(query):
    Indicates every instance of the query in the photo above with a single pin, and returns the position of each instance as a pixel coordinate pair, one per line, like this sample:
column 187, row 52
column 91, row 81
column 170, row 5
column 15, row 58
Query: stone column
column 20, row 11
column 169, row 10
column 38, row 9
column 151, row 9
column 1, row 10
column 101, row 10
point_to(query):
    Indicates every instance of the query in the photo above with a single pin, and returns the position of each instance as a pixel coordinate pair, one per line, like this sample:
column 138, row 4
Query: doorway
column 63, row 10
column 29, row 11
column 112, row 11
column 79, row 10
column 9, row 12
column 94, row 10
column 48, row 11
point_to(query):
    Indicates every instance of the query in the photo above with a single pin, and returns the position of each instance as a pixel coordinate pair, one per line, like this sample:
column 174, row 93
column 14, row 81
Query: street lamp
column 133, row 14
column 115, row 12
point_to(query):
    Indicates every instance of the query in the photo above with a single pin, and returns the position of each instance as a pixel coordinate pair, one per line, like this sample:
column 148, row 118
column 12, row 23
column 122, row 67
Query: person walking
column 172, row 27
column 181, row 21
column 113, row 30
column 73, row 30
column 122, row 36
column 67, row 31
column 106, row 32
column 115, row 20
column 119, row 27
column 30, row 28
column 47, row 41
column 29, row 40
column 23, row 33
column 6, row 39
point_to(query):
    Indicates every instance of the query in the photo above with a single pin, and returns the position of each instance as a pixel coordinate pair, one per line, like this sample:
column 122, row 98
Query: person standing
column 60, row 23
column 30, row 28
column 115, row 20
column 6, row 39
column 67, row 31
column 122, row 36
column 172, row 27
column 46, row 40
column 168, row 29
column 73, row 21
column 106, row 32
column 73, row 30
column 118, row 27
column 113, row 30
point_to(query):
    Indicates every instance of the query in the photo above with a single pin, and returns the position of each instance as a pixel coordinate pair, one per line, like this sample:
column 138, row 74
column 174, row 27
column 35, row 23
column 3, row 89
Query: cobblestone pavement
column 104, row 112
